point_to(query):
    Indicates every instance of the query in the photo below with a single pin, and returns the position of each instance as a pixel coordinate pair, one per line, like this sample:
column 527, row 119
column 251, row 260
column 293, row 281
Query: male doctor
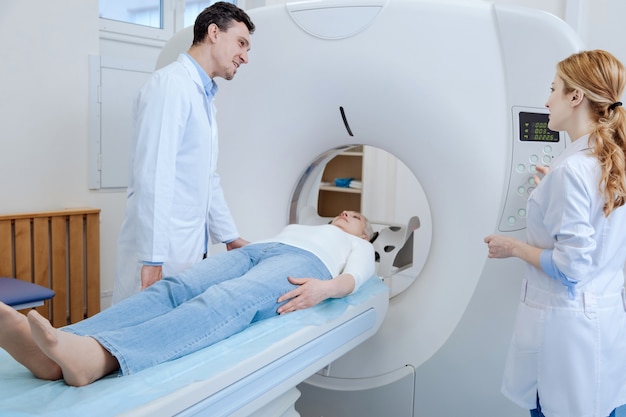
column 175, row 204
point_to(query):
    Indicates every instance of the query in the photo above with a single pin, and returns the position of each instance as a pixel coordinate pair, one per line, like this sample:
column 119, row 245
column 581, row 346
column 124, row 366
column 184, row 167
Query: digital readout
column 534, row 128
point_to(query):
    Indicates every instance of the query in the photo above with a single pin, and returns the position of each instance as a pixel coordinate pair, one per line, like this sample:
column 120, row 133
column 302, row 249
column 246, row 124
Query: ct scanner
column 456, row 91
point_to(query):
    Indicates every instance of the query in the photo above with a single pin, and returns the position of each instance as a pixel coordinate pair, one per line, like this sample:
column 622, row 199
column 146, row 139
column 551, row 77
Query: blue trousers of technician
column 537, row 411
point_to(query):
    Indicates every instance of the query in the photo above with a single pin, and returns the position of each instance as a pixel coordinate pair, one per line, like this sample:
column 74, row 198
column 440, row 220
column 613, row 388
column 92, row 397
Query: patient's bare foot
column 16, row 339
column 82, row 359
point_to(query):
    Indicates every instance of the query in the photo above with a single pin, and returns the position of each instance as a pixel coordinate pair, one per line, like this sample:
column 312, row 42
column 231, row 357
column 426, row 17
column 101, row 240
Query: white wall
column 44, row 102
column 44, row 112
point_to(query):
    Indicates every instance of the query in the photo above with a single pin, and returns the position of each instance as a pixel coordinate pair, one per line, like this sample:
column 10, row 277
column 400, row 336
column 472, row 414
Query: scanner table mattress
column 218, row 366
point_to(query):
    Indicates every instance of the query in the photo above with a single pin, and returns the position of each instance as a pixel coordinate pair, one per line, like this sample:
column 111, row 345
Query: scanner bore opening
column 390, row 197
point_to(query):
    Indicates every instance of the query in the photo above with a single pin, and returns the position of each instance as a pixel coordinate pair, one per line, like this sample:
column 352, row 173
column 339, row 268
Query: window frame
column 173, row 21
column 173, row 15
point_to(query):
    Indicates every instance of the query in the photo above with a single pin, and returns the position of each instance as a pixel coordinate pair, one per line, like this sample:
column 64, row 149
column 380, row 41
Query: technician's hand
column 237, row 243
column 310, row 291
column 501, row 246
column 543, row 170
column 150, row 274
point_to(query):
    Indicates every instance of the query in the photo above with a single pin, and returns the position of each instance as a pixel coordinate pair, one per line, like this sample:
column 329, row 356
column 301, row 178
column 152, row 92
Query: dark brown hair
column 224, row 15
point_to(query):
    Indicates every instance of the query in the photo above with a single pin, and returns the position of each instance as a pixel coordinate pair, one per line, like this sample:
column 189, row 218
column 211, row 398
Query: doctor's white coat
column 572, row 350
column 175, row 203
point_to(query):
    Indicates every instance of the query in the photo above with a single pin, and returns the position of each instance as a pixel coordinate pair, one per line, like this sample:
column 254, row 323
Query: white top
column 341, row 252
column 571, row 347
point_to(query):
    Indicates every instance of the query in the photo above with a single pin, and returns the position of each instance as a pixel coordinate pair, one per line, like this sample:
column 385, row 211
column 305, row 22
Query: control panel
column 533, row 144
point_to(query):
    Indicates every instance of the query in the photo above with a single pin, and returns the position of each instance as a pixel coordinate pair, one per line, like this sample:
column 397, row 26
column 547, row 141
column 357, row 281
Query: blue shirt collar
column 210, row 87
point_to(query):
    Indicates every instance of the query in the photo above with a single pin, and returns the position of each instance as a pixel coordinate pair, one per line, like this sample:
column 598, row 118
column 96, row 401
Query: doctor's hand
column 150, row 274
column 310, row 291
column 543, row 170
column 237, row 243
column 501, row 246
column 506, row 247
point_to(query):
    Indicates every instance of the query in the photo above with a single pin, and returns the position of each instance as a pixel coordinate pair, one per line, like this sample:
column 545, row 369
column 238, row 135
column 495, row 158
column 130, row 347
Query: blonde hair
column 600, row 76
column 369, row 232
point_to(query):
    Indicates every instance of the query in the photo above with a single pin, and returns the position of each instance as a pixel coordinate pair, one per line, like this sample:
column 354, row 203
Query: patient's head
column 354, row 223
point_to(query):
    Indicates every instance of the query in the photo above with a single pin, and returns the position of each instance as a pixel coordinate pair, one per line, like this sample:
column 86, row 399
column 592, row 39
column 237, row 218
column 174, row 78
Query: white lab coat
column 572, row 351
column 174, row 201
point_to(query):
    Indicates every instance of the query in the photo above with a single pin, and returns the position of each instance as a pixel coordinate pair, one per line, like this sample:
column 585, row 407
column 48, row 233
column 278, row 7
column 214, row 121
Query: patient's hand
column 310, row 291
column 150, row 274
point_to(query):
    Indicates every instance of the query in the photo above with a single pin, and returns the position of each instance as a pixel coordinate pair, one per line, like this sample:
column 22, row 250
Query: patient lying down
column 216, row 298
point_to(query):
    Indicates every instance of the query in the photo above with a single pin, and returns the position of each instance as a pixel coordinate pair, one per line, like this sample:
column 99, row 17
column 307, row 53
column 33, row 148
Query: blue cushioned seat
column 21, row 294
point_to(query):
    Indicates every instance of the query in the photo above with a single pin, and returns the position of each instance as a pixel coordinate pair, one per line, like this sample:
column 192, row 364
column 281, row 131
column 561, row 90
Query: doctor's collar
column 210, row 86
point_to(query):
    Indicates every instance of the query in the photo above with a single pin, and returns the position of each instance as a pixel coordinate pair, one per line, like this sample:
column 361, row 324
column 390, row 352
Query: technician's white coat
column 573, row 351
column 174, row 201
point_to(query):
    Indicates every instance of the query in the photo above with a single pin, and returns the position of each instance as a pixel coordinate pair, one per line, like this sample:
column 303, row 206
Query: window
column 156, row 19
column 138, row 12
column 193, row 9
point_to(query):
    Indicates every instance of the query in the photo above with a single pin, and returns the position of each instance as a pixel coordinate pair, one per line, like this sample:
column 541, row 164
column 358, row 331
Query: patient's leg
column 16, row 339
column 82, row 359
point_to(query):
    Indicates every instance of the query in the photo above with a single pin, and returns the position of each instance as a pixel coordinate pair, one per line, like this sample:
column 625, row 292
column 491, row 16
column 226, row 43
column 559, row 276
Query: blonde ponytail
column 601, row 77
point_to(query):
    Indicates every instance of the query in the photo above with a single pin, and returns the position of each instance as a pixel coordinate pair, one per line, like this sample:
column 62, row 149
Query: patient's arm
column 312, row 291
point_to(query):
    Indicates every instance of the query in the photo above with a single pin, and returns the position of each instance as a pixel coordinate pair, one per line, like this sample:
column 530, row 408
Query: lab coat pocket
column 529, row 327
column 520, row 375
column 613, row 347
column 570, row 368
column 188, row 214
column 188, row 233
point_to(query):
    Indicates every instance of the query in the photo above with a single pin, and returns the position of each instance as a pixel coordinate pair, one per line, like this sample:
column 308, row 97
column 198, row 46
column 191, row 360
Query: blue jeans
column 537, row 411
column 208, row 302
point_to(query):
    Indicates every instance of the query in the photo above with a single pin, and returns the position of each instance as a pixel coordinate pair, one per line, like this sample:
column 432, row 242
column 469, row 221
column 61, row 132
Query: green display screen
column 534, row 128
